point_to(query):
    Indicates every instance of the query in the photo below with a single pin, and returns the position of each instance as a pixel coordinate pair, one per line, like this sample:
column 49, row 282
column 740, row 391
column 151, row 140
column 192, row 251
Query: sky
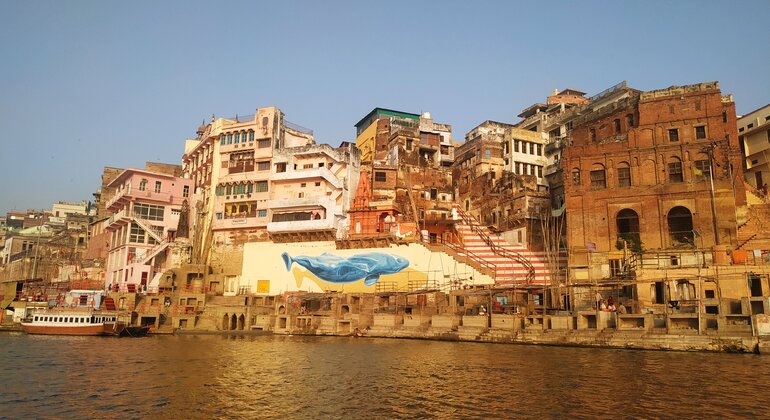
column 89, row 84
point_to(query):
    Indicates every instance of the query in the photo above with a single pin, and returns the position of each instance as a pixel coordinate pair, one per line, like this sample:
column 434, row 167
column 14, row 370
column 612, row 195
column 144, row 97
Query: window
column 321, row 164
column 434, row 193
column 303, row 185
column 263, row 144
column 157, row 186
column 750, row 126
column 219, row 216
column 680, row 226
column 598, row 178
column 229, row 190
column 671, row 109
column 261, row 213
column 149, row 211
column 617, row 126
column 222, row 139
column 724, row 116
column 488, row 154
column 280, row 167
column 307, row 166
column 593, row 135
column 675, row 171
column 700, row 132
column 265, row 166
column 317, row 183
column 249, row 188
column 137, row 234
column 697, row 105
column 576, row 177
column 539, row 171
column 143, row 185
column 186, row 191
column 673, row 134
column 624, row 177
column 251, row 135
column 261, row 186
column 630, row 120
column 702, row 169
column 380, row 177
column 237, row 138
column 229, row 139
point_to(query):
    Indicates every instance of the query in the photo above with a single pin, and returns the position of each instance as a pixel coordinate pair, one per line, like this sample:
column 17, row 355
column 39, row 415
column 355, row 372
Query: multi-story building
column 407, row 188
column 146, row 207
column 554, row 119
column 230, row 164
column 310, row 193
column 754, row 137
column 640, row 168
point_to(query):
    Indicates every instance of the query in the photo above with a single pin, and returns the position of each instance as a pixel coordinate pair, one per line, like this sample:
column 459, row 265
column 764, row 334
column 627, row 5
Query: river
column 266, row 376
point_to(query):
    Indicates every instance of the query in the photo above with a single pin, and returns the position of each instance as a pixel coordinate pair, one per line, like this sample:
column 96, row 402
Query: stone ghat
column 586, row 329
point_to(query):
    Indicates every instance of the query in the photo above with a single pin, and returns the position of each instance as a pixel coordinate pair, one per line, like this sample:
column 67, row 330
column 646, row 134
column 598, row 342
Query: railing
column 242, row 118
column 470, row 255
column 513, row 255
column 608, row 91
column 297, row 127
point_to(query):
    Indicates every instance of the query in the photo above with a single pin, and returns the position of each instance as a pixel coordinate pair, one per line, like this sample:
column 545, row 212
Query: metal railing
column 513, row 255
column 297, row 127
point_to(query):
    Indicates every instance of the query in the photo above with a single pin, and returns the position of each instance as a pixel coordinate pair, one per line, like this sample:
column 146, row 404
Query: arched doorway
column 241, row 322
column 680, row 226
column 381, row 222
column 233, row 322
column 225, row 322
column 627, row 222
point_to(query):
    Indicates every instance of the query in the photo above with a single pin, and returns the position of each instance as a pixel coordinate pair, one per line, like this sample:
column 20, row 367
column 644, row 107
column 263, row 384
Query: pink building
column 146, row 208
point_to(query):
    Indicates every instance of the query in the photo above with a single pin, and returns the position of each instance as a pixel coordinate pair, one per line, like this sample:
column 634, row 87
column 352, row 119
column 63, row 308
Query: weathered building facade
column 641, row 165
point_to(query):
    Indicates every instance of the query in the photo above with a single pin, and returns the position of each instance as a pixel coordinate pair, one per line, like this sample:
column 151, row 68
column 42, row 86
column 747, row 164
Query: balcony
column 314, row 201
column 238, row 223
column 309, row 174
column 301, row 225
column 134, row 193
column 119, row 217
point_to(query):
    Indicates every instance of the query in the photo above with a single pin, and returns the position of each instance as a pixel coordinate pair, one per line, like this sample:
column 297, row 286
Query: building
column 499, row 180
column 554, row 120
column 754, row 138
column 373, row 131
column 309, row 192
column 407, row 186
column 146, row 208
column 640, row 168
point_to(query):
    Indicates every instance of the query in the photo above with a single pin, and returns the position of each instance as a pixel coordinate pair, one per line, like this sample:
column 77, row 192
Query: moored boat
column 73, row 322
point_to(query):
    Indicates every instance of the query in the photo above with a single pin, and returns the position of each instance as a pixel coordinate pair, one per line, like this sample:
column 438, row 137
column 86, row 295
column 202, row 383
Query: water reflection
column 209, row 376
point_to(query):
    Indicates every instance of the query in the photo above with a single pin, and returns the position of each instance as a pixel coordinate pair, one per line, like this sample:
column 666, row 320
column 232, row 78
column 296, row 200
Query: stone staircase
column 755, row 233
column 532, row 270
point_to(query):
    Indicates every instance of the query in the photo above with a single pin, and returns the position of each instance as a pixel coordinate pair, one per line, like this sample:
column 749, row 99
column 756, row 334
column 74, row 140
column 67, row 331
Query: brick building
column 640, row 165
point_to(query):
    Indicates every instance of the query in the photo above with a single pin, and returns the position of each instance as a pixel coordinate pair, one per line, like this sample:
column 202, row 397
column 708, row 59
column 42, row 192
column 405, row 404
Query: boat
column 73, row 322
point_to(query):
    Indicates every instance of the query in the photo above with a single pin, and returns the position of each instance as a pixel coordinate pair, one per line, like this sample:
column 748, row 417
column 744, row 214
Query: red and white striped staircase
column 528, row 267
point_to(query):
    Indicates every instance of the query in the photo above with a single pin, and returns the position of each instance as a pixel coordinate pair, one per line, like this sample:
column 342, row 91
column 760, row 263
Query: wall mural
column 337, row 269
column 319, row 266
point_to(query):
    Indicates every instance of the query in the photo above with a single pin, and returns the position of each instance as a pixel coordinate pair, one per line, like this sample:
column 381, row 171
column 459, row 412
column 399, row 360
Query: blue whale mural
column 337, row 269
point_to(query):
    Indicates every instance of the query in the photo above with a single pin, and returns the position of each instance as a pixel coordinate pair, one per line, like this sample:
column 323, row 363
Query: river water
column 266, row 376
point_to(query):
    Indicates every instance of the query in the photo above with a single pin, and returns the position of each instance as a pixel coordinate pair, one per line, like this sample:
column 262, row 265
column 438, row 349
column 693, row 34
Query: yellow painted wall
column 262, row 261
column 365, row 142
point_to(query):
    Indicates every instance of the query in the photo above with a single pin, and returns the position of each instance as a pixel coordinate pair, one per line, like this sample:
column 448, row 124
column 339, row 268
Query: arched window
column 576, row 177
column 598, row 177
column 624, row 175
column 627, row 222
column 680, row 226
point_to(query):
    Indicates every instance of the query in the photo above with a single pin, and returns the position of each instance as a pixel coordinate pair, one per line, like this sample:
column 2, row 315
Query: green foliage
column 633, row 241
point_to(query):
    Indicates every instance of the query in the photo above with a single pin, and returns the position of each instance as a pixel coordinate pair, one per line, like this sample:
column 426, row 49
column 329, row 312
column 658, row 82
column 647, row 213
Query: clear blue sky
column 88, row 84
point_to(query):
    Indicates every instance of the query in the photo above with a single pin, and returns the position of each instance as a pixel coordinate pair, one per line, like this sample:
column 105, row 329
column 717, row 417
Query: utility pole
column 713, row 200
